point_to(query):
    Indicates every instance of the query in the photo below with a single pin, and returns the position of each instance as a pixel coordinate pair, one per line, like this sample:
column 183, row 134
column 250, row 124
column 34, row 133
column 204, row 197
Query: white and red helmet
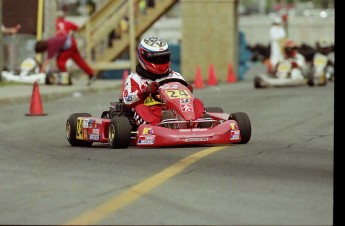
column 154, row 55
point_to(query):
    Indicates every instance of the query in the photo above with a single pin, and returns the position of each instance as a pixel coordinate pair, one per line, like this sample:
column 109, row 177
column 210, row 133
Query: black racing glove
column 152, row 88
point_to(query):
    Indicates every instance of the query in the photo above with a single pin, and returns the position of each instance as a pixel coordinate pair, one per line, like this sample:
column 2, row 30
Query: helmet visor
column 158, row 58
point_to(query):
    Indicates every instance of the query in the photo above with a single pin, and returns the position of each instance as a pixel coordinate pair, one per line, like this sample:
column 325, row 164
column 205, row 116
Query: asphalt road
column 283, row 176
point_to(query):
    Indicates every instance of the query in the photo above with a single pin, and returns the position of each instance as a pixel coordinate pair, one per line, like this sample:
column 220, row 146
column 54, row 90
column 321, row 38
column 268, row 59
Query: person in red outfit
column 63, row 26
column 64, row 47
column 154, row 66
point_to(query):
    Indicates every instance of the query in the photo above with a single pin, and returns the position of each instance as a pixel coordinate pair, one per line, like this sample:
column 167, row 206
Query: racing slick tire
column 50, row 79
column 214, row 109
column 244, row 124
column 258, row 82
column 119, row 132
column 71, row 130
column 207, row 116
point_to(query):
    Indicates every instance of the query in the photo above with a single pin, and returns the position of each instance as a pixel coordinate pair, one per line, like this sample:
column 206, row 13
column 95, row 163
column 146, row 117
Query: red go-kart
column 178, row 126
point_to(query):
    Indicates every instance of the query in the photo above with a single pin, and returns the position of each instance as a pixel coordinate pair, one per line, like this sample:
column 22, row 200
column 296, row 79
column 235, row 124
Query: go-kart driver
column 325, row 48
column 154, row 66
column 297, row 60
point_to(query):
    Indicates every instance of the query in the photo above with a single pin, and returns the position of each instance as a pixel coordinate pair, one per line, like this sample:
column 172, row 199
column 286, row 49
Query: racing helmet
column 324, row 46
column 154, row 55
column 277, row 20
column 290, row 48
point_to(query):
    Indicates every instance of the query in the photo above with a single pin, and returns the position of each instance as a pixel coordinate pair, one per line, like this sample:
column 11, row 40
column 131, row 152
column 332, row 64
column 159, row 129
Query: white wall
column 301, row 29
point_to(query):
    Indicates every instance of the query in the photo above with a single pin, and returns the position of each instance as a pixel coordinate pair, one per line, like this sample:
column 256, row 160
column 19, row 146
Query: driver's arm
column 136, row 90
column 44, row 66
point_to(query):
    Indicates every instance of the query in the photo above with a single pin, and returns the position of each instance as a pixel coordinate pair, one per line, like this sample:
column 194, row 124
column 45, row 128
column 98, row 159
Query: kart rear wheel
column 71, row 130
column 214, row 109
column 119, row 132
column 244, row 124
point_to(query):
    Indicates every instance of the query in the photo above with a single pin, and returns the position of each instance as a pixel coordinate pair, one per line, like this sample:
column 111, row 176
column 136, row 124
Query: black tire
column 244, row 125
column 71, row 130
column 258, row 82
column 205, row 124
column 119, row 132
column 50, row 79
column 310, row 82
column 70, row 80
column 214, row 109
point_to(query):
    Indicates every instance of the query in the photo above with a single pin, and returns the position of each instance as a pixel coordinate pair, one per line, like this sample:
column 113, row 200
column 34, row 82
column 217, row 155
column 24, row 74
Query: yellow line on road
column 135, row 192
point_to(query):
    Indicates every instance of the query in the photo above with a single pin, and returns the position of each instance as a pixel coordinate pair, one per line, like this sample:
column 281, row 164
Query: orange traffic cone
column 212, row 78
column 231, row 78
column 198, row 80
column 124, row 76
column 36, row 108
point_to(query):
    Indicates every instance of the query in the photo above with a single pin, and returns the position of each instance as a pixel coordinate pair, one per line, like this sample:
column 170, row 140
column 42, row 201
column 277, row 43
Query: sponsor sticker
column 194, row 139
column 86, row 123
column 129, row 98
column 94, row 136
column 146, row 140
column 185, row 101
column 193, row 130
column 84, row 135
column 234, row 135
column 90, row 123
column 149, row 101
column 95, row 131
column 233, row 126
column 147, row 131
column 186, row 107
column 79, row 132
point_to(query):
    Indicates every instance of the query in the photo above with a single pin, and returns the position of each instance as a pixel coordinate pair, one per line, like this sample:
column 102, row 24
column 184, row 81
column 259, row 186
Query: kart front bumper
column 156, row 136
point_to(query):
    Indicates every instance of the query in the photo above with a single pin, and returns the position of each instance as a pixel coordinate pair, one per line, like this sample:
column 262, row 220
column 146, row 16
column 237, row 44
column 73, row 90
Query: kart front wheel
column 258, row 82
column 119, row 132
column 244, row 124
column 50, row 79
column 71, row 130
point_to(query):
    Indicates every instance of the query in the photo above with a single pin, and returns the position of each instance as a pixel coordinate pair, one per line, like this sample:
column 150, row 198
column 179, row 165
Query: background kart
column 178, row 125
column 322, row 70
column 29, row 73
column 282, row 78
column 286, row 76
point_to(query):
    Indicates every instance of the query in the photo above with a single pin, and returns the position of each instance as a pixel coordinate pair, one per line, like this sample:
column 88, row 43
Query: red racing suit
column 65, row 47
column 146, row 110
column 65, row 28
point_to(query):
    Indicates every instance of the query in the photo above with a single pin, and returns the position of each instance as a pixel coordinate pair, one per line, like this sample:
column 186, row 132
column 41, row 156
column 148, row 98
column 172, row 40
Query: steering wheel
column 183, row 82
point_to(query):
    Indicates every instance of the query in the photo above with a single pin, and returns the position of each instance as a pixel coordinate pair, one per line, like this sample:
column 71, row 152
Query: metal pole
column 1, row 44
column 132, row 39
column 39, row 27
